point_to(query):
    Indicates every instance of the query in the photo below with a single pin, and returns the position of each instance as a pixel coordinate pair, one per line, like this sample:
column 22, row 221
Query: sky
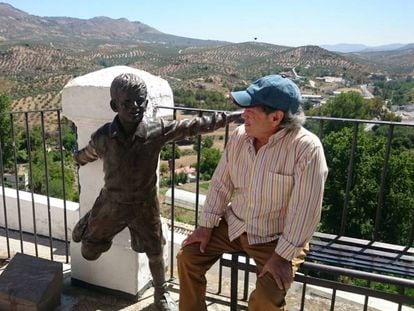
column 288, row 22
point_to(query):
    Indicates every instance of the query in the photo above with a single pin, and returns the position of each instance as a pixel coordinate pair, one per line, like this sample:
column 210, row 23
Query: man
column 273, row 173
column 129, row 147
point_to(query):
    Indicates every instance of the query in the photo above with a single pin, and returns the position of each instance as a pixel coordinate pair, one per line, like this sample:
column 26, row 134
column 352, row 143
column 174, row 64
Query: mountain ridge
column 18, row 26
column 354, row 48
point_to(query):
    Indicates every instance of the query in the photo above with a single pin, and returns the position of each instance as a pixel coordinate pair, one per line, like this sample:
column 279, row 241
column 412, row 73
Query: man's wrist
column 280, row 258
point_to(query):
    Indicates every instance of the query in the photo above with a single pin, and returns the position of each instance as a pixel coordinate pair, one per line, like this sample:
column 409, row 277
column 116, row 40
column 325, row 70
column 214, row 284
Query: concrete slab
column 30, row 283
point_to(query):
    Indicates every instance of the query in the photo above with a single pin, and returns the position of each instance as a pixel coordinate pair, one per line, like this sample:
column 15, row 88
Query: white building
column 184, row 199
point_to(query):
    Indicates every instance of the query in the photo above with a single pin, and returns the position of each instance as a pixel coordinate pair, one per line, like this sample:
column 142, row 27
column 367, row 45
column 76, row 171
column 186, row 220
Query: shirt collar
column 116, row 128
column 278, row 135
column 272, row 139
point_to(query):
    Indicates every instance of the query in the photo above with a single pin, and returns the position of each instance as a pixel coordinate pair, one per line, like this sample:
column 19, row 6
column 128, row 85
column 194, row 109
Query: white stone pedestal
column 85, row 101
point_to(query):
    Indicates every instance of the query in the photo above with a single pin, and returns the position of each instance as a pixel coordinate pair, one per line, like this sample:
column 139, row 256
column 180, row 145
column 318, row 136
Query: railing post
column 16, row 178
column 226, row 135
column 349, row 179
column 29, row 154
column 200, row 114
column 4, row 197
column 234, row 280
column 383, row 181
column 172, row 168
column 47, row 184
column 62, row 168
column 320, row 131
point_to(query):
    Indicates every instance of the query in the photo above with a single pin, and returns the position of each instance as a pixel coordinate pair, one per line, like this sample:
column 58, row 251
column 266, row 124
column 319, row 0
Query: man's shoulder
column 239, row 131
column 238, row 135
column 307, row 138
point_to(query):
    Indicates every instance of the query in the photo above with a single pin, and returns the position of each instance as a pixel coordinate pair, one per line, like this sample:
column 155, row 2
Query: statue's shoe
column 165, row 302
column 80, row 228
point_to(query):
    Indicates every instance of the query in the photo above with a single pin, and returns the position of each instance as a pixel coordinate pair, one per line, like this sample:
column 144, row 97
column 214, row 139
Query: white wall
column 41, row 213
column 184, row 199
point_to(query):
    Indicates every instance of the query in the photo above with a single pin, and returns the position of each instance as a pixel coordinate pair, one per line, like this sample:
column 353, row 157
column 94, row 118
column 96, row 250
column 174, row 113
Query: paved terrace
column 81, row 299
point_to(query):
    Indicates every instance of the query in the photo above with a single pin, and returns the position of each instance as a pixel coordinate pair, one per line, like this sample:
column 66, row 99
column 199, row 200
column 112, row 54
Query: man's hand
column 280, row 269
column 200, row 235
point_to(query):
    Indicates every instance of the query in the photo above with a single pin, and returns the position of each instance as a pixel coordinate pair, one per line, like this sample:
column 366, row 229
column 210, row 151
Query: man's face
column 258, row 124
column 131, row 107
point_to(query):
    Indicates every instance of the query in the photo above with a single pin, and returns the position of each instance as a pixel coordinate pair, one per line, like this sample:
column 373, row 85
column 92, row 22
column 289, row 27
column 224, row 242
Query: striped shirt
column 275, row 193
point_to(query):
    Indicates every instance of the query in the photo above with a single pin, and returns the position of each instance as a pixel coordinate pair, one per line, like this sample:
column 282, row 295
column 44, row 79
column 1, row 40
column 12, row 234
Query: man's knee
column 188, row 257
column 267, row 295
column 182, row 255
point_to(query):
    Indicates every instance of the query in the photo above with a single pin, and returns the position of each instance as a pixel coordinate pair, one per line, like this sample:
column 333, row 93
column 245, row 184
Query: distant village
column 318, row 95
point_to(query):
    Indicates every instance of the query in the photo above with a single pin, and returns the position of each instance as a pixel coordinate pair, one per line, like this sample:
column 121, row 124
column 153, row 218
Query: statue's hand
column 234, row 115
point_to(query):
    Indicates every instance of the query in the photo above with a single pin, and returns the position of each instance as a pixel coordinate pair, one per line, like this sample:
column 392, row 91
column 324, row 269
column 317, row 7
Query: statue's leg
column 162, row 298
column 147, row 237
column 106, row 219
column 80, row 227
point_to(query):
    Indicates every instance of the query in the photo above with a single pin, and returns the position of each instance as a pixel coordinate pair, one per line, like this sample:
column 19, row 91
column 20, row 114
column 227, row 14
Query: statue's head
column 129, row 97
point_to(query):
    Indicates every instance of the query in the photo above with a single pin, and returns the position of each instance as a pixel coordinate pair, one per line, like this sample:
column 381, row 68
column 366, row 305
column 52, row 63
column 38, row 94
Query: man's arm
column 303, row 216
column 280, row 269
column 305, row 203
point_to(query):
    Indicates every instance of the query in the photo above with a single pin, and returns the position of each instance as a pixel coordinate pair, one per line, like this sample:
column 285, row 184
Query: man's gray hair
column 293, row 121
column 290, row 121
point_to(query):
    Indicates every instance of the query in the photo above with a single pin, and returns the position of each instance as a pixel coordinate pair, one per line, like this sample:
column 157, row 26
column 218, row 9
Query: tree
column 351, row 105
column 5, row 130
column 54, row 171
column 164, row 169
column 379, row 110
column 347, row 105
column 206, row 142
column 167, row 152
column 397, row 218
column 69, row 137
column 208, row 162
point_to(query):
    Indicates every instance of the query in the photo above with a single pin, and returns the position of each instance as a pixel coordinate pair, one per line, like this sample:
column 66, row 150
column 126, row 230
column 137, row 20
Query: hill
column 39, row 55
column 399, row 61
column 73, row 33
column 36, row 68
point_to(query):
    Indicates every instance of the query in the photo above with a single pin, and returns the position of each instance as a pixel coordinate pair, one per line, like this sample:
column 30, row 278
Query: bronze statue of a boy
column 129, row 147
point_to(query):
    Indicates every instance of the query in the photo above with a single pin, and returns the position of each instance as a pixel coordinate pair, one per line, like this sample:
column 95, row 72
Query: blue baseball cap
column 274, row 91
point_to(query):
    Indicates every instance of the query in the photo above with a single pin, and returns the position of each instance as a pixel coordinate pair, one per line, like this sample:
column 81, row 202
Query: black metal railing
column 356, row 125
column 22, row 127
column 19, row 125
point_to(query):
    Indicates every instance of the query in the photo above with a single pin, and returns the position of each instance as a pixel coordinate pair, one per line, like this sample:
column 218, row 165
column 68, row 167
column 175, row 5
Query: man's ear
column 278, row 116
column 113, row 106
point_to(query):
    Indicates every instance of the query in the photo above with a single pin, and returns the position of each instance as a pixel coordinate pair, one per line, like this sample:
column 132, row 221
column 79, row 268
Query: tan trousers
column 193, row 265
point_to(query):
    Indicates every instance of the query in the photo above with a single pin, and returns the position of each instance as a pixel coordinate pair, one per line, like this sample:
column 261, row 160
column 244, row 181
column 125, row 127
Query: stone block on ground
column 30, row 283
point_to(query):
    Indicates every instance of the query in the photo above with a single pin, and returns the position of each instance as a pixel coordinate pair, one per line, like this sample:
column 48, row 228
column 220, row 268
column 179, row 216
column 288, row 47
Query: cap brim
column 242, row 98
